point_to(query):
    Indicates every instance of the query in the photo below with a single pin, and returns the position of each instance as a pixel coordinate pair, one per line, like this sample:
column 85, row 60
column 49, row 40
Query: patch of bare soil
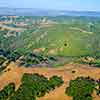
column 15, row 74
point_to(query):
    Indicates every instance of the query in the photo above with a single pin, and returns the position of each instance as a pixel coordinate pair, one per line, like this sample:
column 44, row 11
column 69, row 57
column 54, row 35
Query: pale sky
column 80, row 5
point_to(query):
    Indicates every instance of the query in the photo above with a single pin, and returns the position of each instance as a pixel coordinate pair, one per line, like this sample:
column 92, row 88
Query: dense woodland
column 33, row 86
column 82, row 88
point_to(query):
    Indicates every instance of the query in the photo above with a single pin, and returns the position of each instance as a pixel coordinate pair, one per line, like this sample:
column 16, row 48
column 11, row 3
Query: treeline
column 32, row 87
column 27, row 60
column 11, row 55
column 82, row 88
column 92, row 61
column 31, row 59
column 6, row 56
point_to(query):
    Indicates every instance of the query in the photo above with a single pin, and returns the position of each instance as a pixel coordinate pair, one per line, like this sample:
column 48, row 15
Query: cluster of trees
column 6, row 57
column 82, row 88
column 10, row 55
column 2, row 60
column 7, row 91
column 28, row 60
column 96, row 63
column 33, row 86
column 90, row 60
column 34, row 59
column 6, row 42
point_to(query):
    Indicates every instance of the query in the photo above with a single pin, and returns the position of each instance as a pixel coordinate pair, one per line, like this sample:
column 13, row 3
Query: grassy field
column 62, row 36
column 59, row 40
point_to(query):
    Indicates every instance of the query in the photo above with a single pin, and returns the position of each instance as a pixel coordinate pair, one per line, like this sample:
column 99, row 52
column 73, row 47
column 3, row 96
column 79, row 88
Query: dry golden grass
column 16, row 73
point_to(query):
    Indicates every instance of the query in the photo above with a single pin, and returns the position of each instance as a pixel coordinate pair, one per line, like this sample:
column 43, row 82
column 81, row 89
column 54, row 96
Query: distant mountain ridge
column 42, row 12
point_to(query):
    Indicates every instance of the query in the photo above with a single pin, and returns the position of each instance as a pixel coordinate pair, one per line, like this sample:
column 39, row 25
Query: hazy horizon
column 72, row 5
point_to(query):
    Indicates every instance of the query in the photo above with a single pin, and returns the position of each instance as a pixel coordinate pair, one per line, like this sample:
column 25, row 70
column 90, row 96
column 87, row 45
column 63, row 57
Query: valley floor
column 15, row 74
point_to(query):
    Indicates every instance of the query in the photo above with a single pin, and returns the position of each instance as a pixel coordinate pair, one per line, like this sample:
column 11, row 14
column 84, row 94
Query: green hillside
column 60, row 36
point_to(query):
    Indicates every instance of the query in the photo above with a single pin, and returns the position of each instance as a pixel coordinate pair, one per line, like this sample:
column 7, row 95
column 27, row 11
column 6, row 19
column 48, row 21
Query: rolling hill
column 59, row 36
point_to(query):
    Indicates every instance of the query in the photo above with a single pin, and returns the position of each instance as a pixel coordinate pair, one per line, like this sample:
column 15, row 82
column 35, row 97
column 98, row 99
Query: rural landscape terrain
column 54, row 56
